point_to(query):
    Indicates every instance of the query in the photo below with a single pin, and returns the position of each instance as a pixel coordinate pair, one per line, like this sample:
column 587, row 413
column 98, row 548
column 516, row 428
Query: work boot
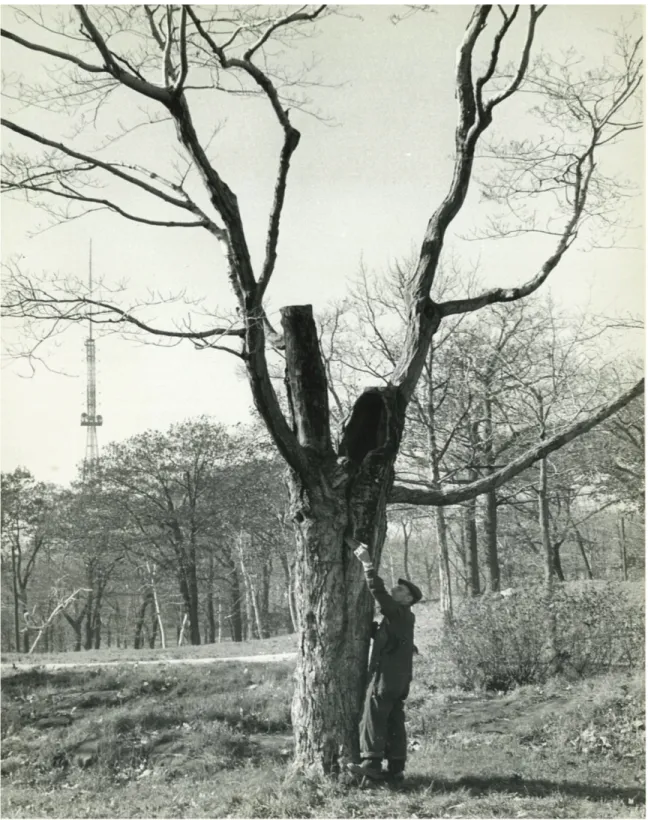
column 395, row 771
column 370, row 767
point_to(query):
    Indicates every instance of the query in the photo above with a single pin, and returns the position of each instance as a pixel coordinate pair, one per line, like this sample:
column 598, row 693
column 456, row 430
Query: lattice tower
column 90, row 419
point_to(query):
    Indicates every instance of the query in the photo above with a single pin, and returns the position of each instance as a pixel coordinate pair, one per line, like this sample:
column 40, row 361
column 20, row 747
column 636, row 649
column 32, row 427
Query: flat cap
column 416, row 592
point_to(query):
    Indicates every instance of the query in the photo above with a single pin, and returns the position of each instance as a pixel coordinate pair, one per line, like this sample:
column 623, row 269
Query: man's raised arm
column 374, row 581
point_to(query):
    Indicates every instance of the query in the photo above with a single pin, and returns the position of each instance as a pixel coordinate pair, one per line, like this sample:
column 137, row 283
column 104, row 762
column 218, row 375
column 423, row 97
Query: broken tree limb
column 58, row 608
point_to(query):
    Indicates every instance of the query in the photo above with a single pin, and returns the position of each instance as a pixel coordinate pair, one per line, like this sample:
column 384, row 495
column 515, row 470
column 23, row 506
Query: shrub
column 498, row 642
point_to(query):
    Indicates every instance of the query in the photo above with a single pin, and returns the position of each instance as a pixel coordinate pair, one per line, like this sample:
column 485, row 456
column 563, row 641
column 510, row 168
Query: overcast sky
column 361, row 188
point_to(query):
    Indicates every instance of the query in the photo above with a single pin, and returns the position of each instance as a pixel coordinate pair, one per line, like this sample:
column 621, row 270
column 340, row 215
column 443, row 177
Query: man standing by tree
column 382, row 728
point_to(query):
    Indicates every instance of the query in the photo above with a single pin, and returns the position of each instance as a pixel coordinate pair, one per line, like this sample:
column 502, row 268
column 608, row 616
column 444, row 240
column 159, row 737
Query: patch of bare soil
column 498, row 714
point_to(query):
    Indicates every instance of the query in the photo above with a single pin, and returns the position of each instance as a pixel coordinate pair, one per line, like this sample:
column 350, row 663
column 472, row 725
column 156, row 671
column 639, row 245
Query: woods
column 472, row 395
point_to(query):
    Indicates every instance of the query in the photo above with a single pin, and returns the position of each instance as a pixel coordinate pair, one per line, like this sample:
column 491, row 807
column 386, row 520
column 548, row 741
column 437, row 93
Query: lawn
column 215, row 741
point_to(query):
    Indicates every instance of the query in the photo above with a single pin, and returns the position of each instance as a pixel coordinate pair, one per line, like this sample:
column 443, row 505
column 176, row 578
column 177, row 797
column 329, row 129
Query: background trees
column 28, row 533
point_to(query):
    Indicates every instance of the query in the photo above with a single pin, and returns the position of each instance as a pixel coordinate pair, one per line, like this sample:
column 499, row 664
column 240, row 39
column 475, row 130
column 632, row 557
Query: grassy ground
column 214, row 741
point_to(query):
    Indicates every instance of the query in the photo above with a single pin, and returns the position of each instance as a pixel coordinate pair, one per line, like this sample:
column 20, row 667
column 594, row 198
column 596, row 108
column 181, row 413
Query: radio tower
column 90, row 419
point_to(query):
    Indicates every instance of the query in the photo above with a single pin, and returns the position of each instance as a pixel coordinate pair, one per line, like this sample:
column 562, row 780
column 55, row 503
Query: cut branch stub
column 306, row 379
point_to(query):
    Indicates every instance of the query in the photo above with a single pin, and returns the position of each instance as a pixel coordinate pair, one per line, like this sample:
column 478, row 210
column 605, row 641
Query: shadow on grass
column 526, row 788
column 39, row 678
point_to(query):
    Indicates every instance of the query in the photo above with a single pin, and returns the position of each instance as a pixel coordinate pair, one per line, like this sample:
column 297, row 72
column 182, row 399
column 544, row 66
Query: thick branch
column 442, row 498
column 423, row 318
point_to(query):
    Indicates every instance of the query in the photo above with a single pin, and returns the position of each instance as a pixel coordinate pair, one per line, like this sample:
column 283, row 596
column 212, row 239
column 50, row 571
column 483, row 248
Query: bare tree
column 334, row 490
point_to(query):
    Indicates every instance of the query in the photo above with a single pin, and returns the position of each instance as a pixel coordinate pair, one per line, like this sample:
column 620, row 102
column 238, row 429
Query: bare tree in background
column 94, row 63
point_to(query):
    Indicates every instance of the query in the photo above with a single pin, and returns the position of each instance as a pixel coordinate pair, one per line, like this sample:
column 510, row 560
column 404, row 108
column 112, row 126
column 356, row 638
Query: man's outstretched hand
column 359, row 549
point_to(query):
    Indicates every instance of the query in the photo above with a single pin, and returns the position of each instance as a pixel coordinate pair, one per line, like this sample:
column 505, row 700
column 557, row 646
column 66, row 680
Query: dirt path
column 8, row 668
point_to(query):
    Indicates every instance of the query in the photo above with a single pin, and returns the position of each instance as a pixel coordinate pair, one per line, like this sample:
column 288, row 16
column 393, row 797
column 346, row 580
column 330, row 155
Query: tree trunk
column 254, row 596
column 158, row 614
column 557, row 562
column 543, row 520
column 549, row 566
column 445, row 583
column 235, row 618
column 189, row 590
column 581, row 547
column 211, row 618
column 335, row 494
column 211, row 614
column 76, row 624
column 139, row 623
column 154, row 629
column 490, row 519
column 16, row 601
column 406, row 538
column 335, row 610
column 292, row 616
column 249, row 617
column 87, row 643
column 264, row 607
column 429, row 575
column 472, row 553
column 462, row 578
column 490, row 528
column 181, row 633
column 623, row 549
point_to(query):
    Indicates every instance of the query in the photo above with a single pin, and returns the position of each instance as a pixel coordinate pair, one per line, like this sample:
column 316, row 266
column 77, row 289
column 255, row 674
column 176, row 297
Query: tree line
column 186, row 536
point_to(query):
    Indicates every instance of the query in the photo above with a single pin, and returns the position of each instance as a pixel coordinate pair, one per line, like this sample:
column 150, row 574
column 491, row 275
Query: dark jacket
column 390, row 664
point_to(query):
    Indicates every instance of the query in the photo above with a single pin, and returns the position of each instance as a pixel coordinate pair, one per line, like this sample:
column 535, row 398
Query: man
column 382, row 728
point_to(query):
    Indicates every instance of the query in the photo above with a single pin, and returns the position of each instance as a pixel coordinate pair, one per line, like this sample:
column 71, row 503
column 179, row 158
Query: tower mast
column 90, row 419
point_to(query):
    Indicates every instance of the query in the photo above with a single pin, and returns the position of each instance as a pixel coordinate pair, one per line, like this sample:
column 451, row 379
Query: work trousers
column 382, row 728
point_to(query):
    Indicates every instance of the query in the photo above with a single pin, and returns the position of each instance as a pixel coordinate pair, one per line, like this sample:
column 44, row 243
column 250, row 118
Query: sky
column 368, row 173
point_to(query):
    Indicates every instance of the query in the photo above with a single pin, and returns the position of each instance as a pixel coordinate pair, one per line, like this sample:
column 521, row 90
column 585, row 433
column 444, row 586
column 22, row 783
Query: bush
column 498, row 641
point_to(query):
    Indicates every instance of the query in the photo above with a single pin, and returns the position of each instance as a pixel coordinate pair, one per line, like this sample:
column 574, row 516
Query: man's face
column 401, row 594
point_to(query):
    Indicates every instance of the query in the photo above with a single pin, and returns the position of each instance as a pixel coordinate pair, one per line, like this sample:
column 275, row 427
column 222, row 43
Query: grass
column 215, row 741
column 279, row 644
